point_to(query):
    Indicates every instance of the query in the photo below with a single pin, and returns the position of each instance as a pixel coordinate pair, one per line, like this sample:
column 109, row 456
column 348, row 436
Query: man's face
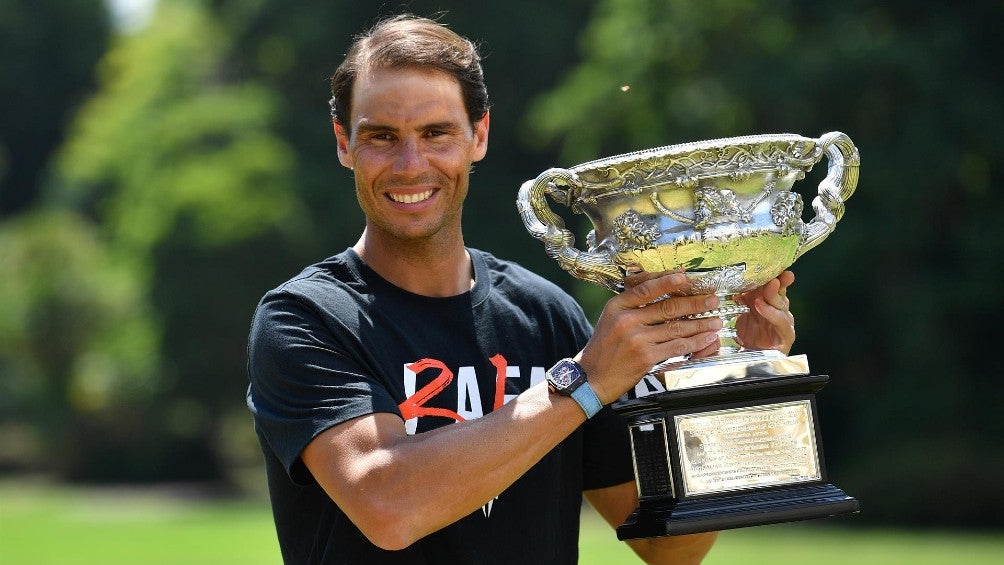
column 411, row 148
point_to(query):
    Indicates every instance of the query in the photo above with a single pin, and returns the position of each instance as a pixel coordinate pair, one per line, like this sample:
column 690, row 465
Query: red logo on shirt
column 415, row 405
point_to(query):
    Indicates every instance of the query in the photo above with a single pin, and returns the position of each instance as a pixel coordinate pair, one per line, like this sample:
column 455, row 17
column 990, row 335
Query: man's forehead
column 371, row 79
column 404, row 93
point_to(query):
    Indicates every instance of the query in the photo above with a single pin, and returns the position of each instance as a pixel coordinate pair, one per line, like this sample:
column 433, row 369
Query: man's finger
column 652, row 289
column 636, row 277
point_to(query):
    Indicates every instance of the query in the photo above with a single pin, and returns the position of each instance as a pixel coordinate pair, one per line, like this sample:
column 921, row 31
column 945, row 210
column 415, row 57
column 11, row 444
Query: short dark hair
column 410, row 41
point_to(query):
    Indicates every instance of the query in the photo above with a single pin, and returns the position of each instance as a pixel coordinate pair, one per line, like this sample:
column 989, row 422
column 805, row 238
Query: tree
column 48, row 49
column 186, row 186
column 78, row 344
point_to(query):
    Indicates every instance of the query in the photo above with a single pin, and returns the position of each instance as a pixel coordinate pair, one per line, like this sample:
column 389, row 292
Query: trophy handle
column 559, row 242
column 839, row 184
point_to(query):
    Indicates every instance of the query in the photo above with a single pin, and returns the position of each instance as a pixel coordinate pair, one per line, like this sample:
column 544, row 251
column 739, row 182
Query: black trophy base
column 757, row 440
column 757, row 508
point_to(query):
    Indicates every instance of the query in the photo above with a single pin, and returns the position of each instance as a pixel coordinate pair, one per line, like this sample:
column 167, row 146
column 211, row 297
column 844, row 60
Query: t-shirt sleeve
column 606, row 451
column 305, row 379
column 606, row 456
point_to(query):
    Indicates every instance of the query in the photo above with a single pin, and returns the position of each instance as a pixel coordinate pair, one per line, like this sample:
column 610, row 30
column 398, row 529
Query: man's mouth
column 410, row 198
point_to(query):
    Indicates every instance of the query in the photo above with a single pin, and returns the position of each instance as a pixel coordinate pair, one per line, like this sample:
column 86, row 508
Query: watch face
column 563, row 374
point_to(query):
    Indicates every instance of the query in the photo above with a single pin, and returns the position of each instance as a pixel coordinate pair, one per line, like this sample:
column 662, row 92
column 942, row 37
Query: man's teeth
column 410, row 198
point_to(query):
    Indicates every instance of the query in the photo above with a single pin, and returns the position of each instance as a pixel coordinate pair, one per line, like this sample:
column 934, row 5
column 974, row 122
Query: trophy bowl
column 721, row 210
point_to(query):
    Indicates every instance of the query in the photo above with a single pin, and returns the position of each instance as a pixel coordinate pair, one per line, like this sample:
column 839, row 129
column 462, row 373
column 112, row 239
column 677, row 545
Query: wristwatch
column 567, row 378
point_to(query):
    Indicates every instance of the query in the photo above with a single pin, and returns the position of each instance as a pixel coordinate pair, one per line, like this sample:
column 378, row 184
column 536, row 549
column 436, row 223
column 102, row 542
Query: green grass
column 40, row 526
column 45, row 525
column 816, row 543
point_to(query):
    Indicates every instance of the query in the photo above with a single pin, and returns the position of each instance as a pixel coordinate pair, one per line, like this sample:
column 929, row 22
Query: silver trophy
column 723, row 212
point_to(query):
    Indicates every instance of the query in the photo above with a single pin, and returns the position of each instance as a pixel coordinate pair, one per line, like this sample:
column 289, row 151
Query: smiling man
column 419, row 401
column 410, row 144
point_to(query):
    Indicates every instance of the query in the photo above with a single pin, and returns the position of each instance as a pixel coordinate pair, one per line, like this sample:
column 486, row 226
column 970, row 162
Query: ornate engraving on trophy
column 787, row 212
column 714, row 206
column 741, row 159
column 720, row 281
column 744, row 448
column 632, row 232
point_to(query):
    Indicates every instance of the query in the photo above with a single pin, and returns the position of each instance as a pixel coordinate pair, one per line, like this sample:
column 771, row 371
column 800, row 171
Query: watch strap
column 587, row 399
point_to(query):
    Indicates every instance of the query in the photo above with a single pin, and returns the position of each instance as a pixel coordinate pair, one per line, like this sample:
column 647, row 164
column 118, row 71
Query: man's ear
column 481, row 137
column 342, row 137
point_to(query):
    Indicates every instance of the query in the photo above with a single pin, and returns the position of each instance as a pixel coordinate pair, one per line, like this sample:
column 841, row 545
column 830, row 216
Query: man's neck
column 420, row 267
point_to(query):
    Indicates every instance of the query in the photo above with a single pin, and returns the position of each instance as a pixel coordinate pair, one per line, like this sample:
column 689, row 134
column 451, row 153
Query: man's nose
column 409, row 156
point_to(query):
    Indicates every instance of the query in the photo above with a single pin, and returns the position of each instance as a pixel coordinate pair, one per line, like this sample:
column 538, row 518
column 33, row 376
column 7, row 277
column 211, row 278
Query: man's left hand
column 769, row 324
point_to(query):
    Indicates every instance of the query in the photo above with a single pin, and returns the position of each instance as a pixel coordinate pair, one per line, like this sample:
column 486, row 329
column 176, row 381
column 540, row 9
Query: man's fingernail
column 678, row 278
column 711, row 301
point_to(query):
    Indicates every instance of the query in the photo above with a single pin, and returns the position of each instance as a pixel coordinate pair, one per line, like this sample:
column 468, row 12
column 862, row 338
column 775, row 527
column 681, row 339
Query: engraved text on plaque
column 743, row 448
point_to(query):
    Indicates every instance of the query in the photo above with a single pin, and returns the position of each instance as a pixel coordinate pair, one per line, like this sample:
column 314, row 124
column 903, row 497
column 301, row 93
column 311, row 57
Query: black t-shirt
column 338, row 341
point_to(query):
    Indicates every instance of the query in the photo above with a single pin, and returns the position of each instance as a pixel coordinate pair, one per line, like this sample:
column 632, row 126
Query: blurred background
column 163, row 163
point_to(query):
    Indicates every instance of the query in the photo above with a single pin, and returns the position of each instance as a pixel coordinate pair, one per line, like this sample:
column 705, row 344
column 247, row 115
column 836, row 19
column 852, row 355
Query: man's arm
column 398, row 488
column 616, row 503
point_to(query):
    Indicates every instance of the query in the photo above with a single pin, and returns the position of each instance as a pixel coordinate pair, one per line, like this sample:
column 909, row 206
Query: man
column 398, row 388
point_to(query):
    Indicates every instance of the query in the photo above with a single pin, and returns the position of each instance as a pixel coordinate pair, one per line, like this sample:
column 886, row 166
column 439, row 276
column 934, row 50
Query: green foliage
column 48, row 49
column 172, row 153
column 171, row 137
column 653, row 67
column 77, row 337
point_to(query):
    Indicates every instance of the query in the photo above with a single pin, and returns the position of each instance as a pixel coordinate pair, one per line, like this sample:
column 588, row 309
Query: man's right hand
column 639, row 328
